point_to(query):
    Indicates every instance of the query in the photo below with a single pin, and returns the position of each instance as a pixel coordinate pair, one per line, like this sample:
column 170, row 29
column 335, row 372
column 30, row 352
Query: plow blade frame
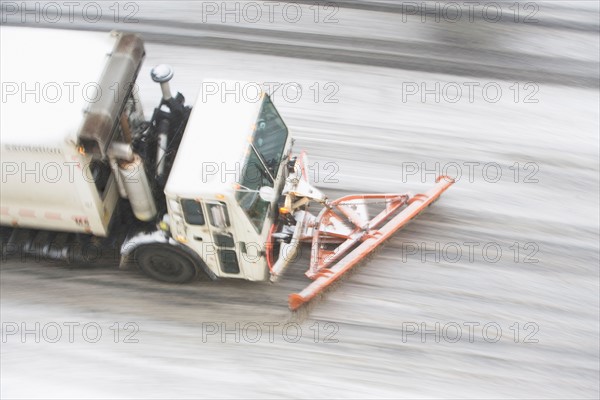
column 371, row 238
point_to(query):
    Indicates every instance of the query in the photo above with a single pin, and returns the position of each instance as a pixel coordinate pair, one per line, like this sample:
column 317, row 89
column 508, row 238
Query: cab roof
column 215, row 144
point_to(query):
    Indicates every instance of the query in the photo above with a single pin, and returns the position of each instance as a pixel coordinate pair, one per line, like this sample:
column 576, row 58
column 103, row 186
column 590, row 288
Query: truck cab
column 233, row 152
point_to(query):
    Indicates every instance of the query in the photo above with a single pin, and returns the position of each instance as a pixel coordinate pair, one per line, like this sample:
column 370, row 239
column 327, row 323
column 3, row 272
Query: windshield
column 254, row 176
column 270, row 136
column 268, row 144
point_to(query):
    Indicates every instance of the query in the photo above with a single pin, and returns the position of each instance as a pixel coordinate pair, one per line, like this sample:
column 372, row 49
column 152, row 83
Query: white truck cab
column 231, row 149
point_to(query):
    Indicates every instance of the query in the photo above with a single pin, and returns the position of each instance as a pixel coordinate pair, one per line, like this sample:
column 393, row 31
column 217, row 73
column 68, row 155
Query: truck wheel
column 166, row 263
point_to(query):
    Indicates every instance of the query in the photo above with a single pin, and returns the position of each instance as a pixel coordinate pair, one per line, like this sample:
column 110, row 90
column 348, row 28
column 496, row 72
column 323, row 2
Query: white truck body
column 47, row 180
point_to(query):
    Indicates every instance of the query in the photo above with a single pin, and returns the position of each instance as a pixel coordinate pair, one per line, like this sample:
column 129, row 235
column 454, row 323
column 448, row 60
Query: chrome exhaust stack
column 132, row 181
column 162, row 74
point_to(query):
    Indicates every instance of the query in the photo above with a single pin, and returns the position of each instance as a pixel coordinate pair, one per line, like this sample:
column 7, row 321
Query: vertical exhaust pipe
column 161, row 148
column 132, row 181
column 162, row 74
column 119, row 151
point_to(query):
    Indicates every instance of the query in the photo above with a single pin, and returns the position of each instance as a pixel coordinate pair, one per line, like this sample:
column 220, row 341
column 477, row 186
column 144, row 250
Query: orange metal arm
column 372, row 239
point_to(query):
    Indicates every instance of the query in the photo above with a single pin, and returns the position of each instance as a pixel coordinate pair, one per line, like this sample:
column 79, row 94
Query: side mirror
column 267, row 194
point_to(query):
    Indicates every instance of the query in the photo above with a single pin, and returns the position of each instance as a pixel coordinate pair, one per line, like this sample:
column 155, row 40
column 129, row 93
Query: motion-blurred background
column 492, row 293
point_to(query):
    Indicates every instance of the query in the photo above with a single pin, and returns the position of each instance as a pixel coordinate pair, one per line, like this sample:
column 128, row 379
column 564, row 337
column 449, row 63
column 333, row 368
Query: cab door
column 208, row 230
column 197, row 232
column 223, row 238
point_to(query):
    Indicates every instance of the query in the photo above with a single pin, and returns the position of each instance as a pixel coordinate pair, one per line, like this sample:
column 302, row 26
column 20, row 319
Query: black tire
column 166, row 263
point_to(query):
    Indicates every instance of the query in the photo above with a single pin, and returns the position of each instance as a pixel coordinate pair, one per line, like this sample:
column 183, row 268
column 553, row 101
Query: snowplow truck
column 213, row 191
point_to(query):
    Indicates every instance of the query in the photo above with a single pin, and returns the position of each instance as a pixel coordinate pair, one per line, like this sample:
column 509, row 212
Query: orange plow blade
column 345, row 222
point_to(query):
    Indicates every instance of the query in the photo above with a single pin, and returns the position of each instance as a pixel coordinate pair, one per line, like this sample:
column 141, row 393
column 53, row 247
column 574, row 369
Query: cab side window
column 217, row 213
column 192, row 212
